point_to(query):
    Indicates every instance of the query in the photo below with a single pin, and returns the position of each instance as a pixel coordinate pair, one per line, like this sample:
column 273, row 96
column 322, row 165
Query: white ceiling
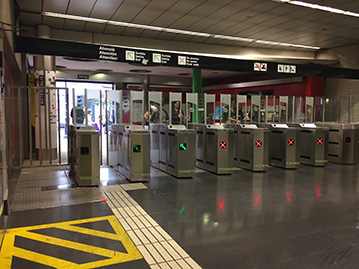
column 258, row 19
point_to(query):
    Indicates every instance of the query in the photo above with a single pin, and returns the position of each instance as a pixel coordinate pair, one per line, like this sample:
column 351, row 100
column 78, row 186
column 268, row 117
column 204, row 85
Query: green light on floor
column 182, row 210
column 136, row 148
column 183, row 146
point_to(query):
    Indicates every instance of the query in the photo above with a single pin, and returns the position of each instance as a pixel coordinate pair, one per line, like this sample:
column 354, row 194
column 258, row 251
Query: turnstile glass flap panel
column 249, row 126
column 280, row 126
column 307, row 125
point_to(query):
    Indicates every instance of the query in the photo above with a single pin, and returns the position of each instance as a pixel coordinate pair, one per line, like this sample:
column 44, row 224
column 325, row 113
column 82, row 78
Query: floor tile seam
column 277, row 263
column 337, row 238
column 289, row 237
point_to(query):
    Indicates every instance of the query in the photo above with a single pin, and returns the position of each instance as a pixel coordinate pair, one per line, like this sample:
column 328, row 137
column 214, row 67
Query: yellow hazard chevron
column 8, row 250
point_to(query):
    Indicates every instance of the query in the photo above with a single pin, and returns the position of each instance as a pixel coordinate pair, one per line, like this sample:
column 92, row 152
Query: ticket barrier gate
column 252, row 147
column 343, row 142
column 214, row 152
column 84, row 155
column 282, row 146
column 116, row 151
column 234, row 142
column 176, row 154
column 155, row 145
column 136, row 153
column 312, row 141
column 181, row 151
column 163, row 148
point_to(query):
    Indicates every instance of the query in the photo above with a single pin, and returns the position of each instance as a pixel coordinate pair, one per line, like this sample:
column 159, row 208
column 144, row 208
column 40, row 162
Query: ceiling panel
column 32, row 6
column 166, row 36
column 129, row 10
column 59, row 6
column 133, row 32
column 105, row 9
column 74, row 25
column 199, row 13
column 150, row 34
column 54, row 23
column 77, row 7
column 113, row 30
column 94, row 27
column 176, row 12
column 153, row 10
column 30, row 19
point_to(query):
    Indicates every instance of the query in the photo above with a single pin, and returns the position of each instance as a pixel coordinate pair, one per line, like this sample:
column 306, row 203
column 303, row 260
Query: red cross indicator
column 258, row 143
column 348, row 139
column 319, row 141
column 290, row 142
column 223, row 145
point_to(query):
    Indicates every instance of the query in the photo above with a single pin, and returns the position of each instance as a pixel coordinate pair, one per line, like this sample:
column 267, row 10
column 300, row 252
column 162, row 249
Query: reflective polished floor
column 303, row 218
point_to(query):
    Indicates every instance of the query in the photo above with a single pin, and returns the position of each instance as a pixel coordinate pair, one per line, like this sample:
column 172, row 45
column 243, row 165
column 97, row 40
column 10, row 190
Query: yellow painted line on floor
column 8, row 249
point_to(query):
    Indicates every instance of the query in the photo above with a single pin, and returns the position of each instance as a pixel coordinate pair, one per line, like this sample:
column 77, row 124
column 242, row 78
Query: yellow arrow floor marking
column 8, row 249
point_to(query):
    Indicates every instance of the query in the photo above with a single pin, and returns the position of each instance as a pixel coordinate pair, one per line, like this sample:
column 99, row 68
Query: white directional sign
column 284, row 68
column 260, row 67
column 181, row 60
column 130, row 55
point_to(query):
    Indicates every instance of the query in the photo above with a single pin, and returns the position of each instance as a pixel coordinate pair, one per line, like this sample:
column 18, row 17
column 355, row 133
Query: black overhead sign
column 153, row 58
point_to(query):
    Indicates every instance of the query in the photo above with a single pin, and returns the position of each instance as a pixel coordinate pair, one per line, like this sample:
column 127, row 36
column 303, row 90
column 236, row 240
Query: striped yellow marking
column 8, row 249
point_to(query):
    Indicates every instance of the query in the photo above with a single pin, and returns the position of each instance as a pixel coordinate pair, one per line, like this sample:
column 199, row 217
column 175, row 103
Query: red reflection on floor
column 256, row 200
column 221, row 204
column 289, row 196
column 318, row 192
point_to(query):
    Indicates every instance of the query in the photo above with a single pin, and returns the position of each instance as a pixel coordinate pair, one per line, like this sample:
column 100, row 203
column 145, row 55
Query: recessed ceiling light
column 319, row 7
column 140, row 71
column 177, row 31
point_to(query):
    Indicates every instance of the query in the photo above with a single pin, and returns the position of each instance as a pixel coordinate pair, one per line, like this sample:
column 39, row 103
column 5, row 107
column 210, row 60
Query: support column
column 145, row 89
column 45, row 103
column 197, row 88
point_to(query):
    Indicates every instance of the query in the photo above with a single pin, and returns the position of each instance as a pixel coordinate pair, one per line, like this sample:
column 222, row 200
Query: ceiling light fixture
column 319, row 7
column 176, row 31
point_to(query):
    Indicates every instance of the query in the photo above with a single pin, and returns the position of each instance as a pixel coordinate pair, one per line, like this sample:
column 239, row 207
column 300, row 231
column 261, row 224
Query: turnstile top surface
column 307, row 125
column 215, row 126
column 248, row 126
column 83, row 128
column 177, row 127
column 279, row 125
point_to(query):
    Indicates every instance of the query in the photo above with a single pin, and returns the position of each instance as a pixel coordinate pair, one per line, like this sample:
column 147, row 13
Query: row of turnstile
column 176, row 149
column 219, row 148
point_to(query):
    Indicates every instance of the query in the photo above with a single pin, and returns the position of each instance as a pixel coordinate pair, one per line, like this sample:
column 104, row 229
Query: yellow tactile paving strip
column 156, row 246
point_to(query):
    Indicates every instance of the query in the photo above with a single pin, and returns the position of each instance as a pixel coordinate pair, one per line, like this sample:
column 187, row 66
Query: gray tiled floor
column 304, row 218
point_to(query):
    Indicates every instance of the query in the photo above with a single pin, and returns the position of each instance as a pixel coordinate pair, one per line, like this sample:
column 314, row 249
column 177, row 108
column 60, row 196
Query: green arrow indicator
column 136, row 148
column 183, row 146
